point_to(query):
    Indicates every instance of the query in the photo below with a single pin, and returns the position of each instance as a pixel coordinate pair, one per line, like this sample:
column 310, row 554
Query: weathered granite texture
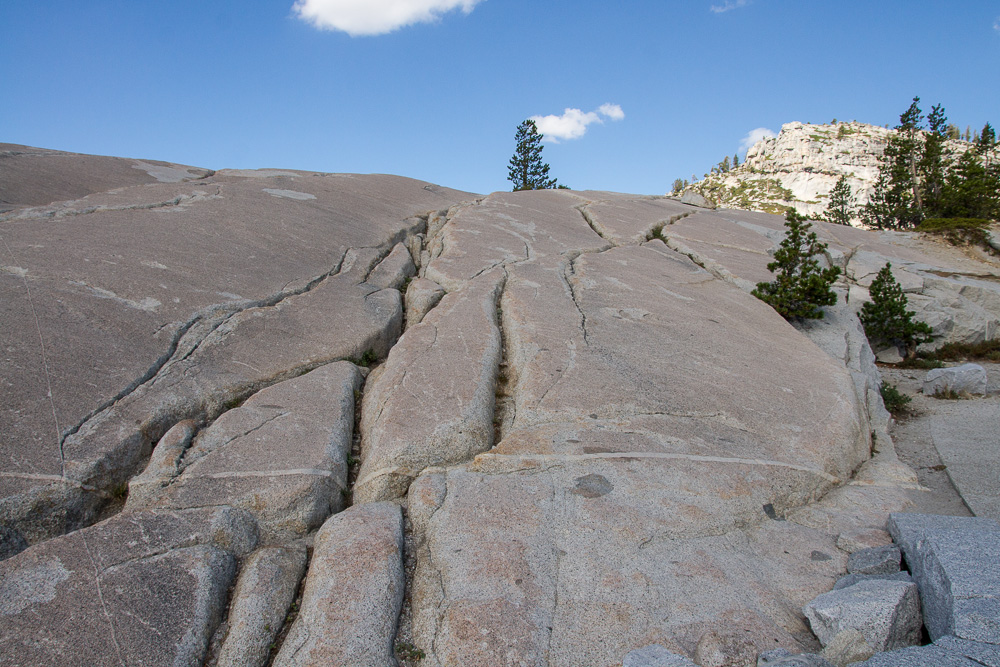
column 550, row 427
column 134, row 309
column 964, row 379
column 885, row 612
column 956, row 563
column 142, row 588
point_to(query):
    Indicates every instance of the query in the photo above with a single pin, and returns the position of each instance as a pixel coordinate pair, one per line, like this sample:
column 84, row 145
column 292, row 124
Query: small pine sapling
column 800, row 288
column 886, row 319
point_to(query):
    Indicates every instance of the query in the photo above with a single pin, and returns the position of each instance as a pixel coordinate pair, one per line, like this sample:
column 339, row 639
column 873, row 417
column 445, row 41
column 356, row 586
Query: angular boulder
column 886, row 613
column 964, row 379
column 956, row 563
column 874, row 560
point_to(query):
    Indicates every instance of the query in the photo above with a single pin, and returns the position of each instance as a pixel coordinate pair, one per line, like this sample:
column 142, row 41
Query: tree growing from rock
column 886, row 319
column 800, row 288
column 526, row 169
column 840, row 207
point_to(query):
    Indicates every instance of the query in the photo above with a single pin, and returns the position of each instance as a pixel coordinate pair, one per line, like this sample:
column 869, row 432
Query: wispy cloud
column 729, row 5
column 996, row 24
column 753, row 136
column 375, row 17
column 573, row 123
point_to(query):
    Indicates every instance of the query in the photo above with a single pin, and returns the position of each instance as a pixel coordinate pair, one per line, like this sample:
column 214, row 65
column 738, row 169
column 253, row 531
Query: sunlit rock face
column 542, row 428
column 799, row 167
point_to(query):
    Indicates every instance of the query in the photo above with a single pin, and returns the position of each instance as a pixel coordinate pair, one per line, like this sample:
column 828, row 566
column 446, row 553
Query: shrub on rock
column 886, row 319
column 800, row 288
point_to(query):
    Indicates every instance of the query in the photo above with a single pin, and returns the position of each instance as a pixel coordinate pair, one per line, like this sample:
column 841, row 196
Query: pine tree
column 932, row 167
column 907, row 142
column 971, row 189
column 526, row 169
column 800, row 287
column 879, row 211
column 986, row 143
column 736, row 160
column 886, row 319
column 890, row 205
column 987, row 139
column 840, row 207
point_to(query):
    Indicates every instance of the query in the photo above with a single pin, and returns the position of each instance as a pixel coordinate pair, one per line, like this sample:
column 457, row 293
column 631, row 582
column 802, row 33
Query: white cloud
column 753, row 136
column 729, row 5
column 375, row 17
column 572, row 124
column 996, row 24
column 612, row 111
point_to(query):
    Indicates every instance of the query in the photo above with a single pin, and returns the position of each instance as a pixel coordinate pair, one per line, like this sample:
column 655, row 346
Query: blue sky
column 221, row 83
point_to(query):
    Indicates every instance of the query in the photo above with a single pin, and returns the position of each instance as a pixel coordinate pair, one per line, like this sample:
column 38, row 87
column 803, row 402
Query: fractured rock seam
column 395, row 462
column 202, row 412
column 228, row 312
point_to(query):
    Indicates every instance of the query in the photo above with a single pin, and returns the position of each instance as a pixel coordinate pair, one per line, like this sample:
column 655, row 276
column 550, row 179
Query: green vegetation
column 886, row 319
column 801, row 287
column 896, row 402
column 756, row 194
column 917, row 180
column 988, row 350
column 367, row 359
column 918, row 362
column 960, row 231
column 845, row 131
column 840, row 208
column 526, row 169
column 407, row 651
column 951, row 395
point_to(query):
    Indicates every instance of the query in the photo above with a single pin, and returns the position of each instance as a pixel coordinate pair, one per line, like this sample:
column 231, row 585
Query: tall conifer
column 526, row 169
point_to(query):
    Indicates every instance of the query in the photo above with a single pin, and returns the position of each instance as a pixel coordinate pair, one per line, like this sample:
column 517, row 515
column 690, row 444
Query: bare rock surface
column 353, row 593
column 613, row 404
column 886, row 613
column 142, row 588
column 590, row 439
column 407, row 428
column 958, row 441
column 282, row 456
column 36, row 176
column 133, row 309
column 955, row 562
column 964, row 379
column 261, row 599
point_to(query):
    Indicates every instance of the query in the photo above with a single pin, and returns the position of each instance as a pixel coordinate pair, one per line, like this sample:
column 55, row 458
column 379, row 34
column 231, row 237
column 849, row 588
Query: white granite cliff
column 800, row 166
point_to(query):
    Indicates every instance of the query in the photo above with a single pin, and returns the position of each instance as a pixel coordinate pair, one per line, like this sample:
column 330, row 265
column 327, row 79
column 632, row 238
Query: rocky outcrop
column 548, row 428
column 799, row 167
column 132, row 310
column 37, row 176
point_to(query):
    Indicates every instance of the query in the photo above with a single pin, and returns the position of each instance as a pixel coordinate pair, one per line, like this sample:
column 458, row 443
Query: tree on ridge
column 526, row 169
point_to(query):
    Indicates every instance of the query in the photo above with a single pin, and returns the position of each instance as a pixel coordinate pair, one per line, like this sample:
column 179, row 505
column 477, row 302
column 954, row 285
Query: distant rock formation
column 799, row 167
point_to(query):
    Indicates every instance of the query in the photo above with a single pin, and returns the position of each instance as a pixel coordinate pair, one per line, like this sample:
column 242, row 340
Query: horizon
column 628, row 100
